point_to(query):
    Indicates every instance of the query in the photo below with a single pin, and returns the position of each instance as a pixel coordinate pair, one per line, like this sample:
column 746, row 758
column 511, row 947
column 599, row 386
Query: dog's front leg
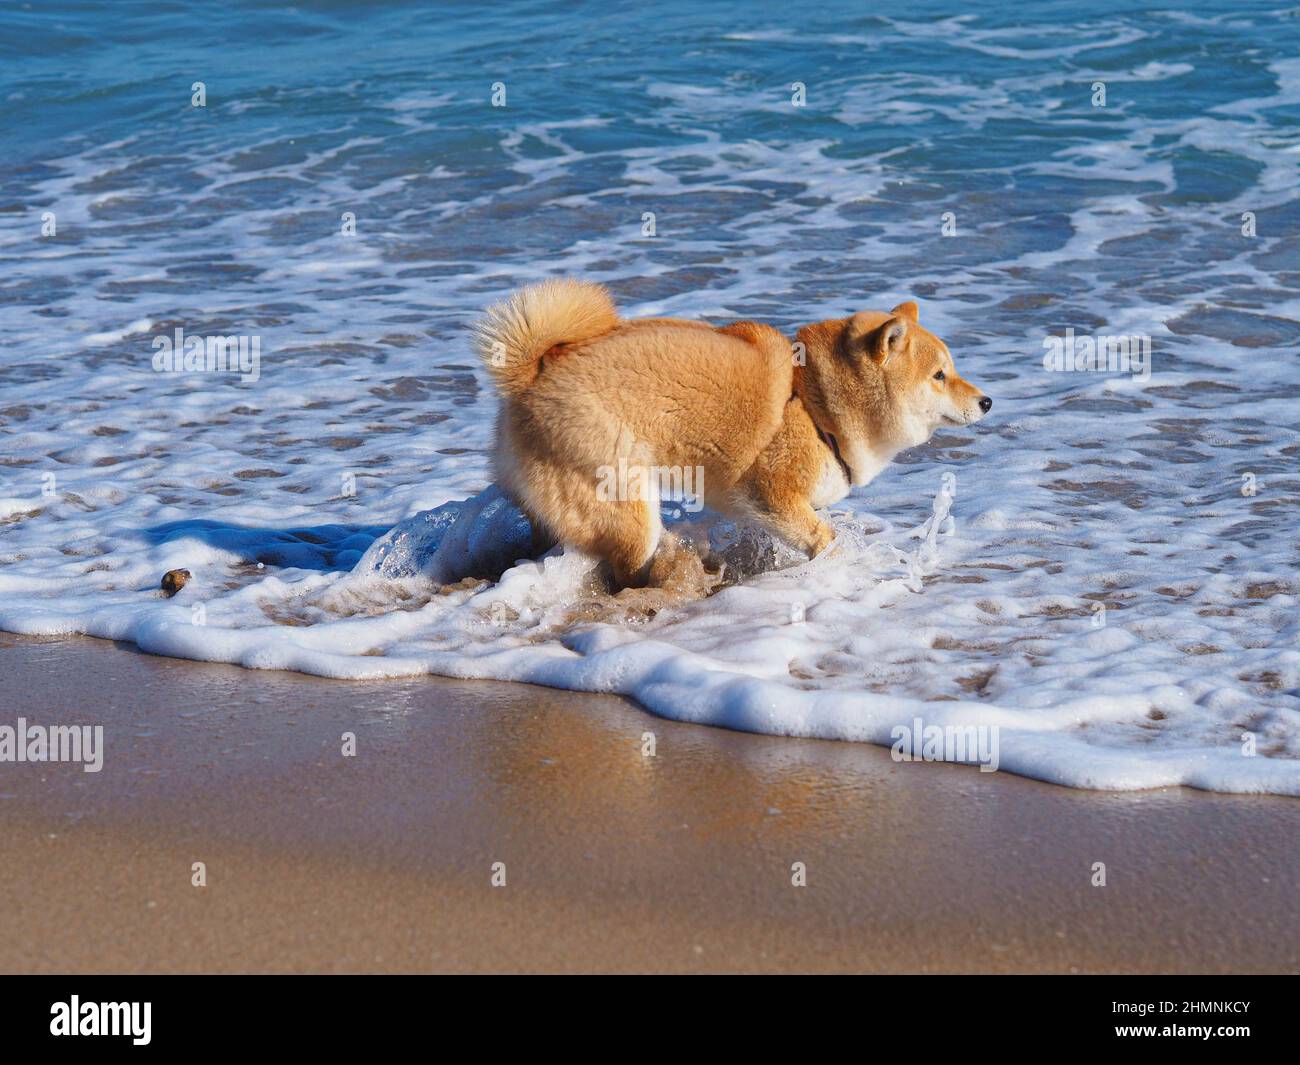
column 777, row 490
column 787, row 516
column 800, row 527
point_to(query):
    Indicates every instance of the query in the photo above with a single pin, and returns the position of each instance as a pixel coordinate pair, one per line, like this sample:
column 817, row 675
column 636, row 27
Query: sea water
column 325, row 196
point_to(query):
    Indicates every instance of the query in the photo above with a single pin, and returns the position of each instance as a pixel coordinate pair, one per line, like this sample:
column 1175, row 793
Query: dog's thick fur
column 777, row 429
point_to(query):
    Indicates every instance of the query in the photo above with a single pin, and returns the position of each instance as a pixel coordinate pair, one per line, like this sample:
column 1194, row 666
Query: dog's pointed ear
column 857, row 333
column 889, row 339
column 908, row 310
column 879, row 343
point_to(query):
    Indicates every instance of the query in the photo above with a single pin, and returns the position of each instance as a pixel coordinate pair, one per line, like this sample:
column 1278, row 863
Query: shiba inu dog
column 774, row 429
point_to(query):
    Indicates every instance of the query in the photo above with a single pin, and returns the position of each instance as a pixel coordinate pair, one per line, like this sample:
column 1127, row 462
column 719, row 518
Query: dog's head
column 881, row 383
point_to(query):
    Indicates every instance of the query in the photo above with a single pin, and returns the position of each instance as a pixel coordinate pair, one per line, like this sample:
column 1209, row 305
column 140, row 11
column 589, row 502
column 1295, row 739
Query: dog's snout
column 985, row 403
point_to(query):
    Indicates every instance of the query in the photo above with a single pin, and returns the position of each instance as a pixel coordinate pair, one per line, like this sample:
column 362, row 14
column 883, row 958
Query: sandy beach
column 613, row 861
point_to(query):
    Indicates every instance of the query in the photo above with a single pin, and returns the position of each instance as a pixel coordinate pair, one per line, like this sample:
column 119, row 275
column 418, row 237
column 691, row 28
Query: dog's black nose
column 985, row 404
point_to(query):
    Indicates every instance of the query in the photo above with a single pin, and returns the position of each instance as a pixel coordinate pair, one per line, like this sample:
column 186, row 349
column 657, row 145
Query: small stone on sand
column 174, row 580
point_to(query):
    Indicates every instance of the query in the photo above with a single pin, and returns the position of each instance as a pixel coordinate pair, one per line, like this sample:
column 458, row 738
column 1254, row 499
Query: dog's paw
column 821, row 539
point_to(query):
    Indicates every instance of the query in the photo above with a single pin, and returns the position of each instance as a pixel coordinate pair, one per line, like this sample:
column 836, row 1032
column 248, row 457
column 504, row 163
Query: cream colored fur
column 585, row 392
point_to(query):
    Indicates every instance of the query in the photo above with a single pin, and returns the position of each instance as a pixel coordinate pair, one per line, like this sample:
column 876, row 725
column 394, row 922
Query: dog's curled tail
column 513, row 335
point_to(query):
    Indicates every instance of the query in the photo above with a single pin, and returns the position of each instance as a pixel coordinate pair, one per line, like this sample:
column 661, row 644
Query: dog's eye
column 938, row 375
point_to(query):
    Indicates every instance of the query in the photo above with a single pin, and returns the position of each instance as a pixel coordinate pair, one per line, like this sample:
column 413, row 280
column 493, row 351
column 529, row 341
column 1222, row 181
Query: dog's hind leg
column 624, row 533
column 543, row 538
column 629, row 539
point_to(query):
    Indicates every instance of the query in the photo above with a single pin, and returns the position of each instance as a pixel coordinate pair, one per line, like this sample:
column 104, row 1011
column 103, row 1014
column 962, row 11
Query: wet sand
column 614, row 862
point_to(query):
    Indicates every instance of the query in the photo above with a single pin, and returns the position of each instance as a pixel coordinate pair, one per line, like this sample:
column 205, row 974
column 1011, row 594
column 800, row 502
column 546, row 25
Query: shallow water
column 1169, row 498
